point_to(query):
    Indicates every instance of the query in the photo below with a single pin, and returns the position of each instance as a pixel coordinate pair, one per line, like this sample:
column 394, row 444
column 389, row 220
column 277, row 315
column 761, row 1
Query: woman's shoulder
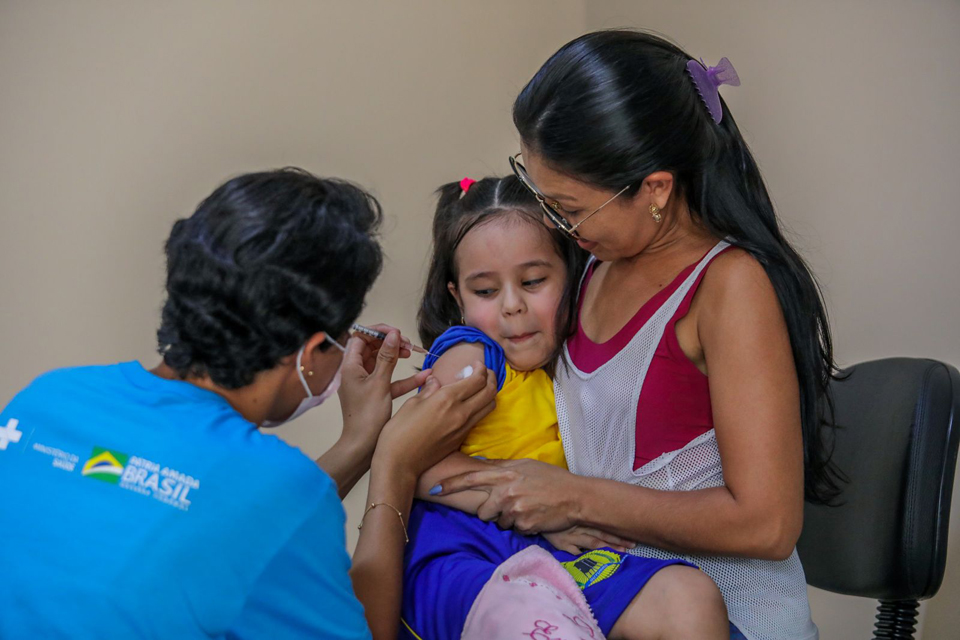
column 735, row 276
column 736, row 295
column 93, row 386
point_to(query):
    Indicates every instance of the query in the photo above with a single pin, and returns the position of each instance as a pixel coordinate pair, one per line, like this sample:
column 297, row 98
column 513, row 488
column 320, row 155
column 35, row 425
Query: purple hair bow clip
column 708, row 81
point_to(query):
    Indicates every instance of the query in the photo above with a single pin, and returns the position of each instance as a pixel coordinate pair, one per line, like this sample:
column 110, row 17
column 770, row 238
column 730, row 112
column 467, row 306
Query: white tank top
column 597, row 412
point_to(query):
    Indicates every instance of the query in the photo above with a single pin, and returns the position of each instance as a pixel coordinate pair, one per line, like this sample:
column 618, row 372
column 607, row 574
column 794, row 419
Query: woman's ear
column 658, row 186
column 311, row 352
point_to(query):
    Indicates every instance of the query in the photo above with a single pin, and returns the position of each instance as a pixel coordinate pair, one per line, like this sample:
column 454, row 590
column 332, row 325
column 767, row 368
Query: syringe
column 380, row 335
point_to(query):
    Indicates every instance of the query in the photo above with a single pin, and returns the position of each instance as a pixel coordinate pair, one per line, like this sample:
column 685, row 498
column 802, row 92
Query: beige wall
column 851, row 109
column 116, row 119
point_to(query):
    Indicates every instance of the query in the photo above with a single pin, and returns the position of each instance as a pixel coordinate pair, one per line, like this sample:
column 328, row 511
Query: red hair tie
column 466, row 183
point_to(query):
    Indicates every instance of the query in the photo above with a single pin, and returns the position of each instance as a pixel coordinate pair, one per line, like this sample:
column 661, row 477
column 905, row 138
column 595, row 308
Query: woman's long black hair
column 612, row 107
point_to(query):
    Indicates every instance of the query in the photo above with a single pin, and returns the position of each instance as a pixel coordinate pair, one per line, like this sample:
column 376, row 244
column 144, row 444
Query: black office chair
column 899, row 424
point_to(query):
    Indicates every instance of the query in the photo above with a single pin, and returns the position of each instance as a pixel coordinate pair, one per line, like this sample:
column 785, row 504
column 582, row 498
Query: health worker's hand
column 433, row 424
column 367, row 389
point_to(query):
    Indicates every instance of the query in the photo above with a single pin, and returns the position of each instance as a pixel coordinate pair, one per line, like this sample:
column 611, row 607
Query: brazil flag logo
column 105, row 465
column 593, row 566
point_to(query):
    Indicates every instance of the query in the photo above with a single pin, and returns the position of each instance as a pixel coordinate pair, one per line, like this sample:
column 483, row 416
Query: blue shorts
column 451, row 556
column 736, row 634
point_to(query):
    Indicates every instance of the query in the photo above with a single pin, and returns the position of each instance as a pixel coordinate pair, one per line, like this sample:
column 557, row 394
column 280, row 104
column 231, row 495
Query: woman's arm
column 377, row 569
column 425, row 429
column 572, row 540
column 756, row 409
column 366, row 402
column 346, row 462
column 454, row 464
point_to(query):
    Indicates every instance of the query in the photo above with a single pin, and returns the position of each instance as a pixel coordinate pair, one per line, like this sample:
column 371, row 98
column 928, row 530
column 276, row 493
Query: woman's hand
column 578, row 539
column 366, row 388
column 526, row 495
column 366, row 401
column 432, row 424
column 373, row 345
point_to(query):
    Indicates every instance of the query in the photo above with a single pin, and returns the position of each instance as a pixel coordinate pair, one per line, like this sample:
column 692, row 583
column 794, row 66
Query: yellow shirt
column 524, row 423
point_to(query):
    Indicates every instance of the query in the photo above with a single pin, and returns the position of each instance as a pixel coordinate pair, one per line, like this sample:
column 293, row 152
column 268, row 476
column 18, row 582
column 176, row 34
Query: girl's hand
column 433, row 424
column 526, row 495
column 366, row 388
column 578, row 539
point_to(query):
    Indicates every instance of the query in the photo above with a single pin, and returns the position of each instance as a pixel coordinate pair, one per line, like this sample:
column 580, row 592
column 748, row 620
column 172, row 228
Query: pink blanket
column 531, row 596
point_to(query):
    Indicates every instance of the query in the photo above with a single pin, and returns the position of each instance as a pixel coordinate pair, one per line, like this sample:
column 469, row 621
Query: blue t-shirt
column 138, row 507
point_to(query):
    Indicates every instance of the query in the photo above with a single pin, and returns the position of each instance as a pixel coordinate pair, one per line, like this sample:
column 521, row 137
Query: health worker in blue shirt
column 148, row 503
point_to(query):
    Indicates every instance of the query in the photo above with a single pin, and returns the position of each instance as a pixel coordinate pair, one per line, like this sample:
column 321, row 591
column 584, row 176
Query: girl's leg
column 678, row 602
column 451, row 556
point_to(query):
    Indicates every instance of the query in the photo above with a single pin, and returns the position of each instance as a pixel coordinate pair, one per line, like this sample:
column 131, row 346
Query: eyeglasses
column 552, row 210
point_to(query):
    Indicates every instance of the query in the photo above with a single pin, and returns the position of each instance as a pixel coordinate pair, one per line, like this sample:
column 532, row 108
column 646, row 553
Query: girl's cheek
column 547, row 308
column 482, row 316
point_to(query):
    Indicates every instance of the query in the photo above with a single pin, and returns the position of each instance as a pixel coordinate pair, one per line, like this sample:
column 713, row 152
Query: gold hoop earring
column 655, row 212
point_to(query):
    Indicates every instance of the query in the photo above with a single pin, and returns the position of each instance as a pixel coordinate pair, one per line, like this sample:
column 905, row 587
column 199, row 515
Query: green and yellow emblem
column 105, row 465
column 593, row 566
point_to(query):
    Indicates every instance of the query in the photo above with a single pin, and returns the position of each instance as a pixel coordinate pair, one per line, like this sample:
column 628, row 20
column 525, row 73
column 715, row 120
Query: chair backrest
column 899, row 426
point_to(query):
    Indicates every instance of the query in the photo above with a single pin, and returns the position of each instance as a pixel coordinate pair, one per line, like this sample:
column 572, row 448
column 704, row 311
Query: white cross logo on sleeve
column 9, row 433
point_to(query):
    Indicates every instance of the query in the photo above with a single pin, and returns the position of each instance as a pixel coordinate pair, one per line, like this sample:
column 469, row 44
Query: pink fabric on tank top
column 674, row 406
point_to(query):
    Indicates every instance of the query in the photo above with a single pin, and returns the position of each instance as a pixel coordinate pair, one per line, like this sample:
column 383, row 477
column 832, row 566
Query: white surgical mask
column 311, row 400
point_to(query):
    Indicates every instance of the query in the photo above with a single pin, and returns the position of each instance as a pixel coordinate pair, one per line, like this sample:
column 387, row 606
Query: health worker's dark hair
column 267, row 260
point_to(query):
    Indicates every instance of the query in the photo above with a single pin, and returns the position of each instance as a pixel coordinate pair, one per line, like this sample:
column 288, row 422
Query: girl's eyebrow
column 535, row 263
column 489, row 274
column 478, row 275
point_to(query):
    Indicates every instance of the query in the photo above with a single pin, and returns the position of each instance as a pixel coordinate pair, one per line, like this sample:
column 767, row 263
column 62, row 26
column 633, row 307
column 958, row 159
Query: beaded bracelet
column 384, row 504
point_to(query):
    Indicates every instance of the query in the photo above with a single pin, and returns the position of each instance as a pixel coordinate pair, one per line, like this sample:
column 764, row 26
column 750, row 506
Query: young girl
column 500, row 288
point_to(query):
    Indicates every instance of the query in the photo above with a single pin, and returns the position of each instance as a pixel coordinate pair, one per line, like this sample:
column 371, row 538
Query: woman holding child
column 687, row 393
